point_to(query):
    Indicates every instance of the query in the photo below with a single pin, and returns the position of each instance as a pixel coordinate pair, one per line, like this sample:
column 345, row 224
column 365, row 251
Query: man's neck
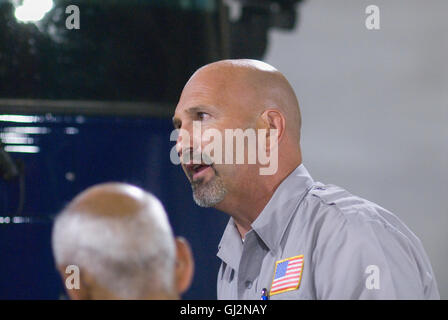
column 245, row 206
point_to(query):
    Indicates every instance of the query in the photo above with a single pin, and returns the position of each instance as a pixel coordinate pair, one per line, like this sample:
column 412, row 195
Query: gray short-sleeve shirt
column 316, row 241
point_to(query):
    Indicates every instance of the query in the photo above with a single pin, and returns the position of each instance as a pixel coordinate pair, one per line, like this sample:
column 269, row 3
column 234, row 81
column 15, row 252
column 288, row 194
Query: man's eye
column 203, row 115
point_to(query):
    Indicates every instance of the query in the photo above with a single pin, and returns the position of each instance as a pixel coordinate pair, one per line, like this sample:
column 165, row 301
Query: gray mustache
column 197, row 157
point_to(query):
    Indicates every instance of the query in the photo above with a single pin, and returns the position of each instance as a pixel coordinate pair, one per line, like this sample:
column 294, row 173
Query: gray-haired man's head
column 120, row 239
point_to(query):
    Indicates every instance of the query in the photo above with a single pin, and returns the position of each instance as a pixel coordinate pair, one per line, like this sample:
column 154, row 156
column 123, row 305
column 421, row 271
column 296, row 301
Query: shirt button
column 248, row 284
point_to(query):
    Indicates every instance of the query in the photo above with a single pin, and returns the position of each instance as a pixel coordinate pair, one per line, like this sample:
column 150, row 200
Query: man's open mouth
column 197, row 171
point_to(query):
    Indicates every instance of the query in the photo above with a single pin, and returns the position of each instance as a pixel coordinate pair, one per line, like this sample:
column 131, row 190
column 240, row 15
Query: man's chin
column 208, row 194
column 201, row 202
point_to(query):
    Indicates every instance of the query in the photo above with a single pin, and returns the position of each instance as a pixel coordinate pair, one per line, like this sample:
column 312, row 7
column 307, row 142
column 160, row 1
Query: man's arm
column 358, row 258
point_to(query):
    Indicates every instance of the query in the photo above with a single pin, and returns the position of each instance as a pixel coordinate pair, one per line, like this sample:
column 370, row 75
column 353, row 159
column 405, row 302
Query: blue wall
column 94, row 150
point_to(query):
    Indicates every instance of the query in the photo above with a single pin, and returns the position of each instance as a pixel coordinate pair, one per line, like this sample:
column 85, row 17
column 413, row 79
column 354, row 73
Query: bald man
column 288, row 237
column 119, row 239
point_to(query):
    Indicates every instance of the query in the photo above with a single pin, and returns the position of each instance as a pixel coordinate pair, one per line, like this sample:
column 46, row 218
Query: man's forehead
column 192, row 108
column 215, row 87
column 192, row 97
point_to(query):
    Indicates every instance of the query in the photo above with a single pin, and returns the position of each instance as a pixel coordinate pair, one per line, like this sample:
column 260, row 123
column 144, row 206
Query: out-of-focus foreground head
column 120, row 239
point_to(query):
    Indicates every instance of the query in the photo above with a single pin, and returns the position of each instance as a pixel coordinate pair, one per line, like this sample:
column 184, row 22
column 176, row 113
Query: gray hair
column 132, row 256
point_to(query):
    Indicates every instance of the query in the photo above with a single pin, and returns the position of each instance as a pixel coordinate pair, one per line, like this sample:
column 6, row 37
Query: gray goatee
column 205, row 194
column 208, row 194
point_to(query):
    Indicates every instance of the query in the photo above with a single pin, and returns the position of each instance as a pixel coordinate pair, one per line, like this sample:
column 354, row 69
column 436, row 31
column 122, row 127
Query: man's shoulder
column 340, row 199
column 347, row 232
column 333, row 207
column 339, row 220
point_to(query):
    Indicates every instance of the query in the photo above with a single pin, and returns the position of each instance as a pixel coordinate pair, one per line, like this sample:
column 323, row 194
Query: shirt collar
column 271, row 223
column 230, row 247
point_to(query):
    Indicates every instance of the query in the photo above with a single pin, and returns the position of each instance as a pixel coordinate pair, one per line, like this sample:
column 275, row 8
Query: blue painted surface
column 87, row 151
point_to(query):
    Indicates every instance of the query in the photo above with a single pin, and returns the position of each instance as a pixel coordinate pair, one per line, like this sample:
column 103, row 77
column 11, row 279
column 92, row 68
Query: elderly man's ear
column 79, row 290
column 184, row 265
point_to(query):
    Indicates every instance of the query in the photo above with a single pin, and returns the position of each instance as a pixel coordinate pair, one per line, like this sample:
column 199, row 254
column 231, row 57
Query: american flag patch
column 287, row 275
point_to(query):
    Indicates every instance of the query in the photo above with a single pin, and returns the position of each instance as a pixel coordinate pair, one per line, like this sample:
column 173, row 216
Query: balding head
column 249, row 87
column 115, row 201
column 239, row 94
column 120, row 238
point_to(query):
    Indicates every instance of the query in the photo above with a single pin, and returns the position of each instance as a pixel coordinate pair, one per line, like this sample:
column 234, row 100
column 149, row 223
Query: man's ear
column 75, row 282
column 184, row 265
column 273, row 119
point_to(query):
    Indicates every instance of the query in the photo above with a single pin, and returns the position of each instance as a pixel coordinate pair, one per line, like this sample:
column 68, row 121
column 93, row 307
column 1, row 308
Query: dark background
column 103, row 97
column 104, row 149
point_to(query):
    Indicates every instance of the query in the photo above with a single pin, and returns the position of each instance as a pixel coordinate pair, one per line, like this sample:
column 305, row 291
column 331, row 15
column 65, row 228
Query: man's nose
column 184, row 142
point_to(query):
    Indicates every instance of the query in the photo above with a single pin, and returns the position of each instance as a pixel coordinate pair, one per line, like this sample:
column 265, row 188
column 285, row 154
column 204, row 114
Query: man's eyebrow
column 176, row 122
column 198, row 108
